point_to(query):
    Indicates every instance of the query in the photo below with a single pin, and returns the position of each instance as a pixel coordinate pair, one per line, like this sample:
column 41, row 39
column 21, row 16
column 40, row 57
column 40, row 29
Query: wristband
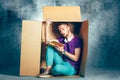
column 63, row 52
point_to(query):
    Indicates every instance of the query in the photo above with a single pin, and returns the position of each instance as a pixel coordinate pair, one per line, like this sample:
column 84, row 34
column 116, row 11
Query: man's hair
column 68, row 24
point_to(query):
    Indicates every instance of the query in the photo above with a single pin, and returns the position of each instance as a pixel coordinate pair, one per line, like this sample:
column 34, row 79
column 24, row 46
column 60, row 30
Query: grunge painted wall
column 103, row 16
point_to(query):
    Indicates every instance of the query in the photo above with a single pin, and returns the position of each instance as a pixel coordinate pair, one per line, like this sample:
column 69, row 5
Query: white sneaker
column 45, row 75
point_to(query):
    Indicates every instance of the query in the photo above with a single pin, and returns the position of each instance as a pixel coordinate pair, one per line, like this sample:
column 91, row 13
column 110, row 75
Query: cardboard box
column 35, row 34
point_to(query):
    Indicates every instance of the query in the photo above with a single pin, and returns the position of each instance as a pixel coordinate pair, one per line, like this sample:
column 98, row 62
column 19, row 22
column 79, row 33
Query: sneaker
column 45, row 75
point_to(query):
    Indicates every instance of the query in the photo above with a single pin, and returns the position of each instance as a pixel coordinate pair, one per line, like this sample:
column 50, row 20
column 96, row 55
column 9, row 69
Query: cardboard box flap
column 30, row 48
column 62, row 13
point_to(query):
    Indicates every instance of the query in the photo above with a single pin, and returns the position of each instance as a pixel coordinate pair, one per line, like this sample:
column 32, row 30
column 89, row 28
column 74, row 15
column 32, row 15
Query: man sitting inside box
column 63, row 54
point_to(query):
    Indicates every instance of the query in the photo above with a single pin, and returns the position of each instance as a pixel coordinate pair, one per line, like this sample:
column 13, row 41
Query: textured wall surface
column 104, row 35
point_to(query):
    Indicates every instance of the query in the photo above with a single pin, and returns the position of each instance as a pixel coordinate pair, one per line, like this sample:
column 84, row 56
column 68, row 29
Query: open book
column 54, row 43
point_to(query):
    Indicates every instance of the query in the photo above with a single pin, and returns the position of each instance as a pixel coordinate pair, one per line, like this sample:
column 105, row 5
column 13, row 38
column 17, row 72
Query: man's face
column 64, row 30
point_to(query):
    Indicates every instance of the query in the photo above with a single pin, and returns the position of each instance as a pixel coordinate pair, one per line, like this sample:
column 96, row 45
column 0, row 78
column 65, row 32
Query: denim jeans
column 59, row 66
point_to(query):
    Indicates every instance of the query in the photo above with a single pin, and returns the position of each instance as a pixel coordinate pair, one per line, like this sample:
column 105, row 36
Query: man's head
column 65, row 28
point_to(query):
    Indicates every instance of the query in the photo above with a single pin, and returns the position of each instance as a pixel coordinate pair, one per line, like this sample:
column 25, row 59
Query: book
column 54, row 43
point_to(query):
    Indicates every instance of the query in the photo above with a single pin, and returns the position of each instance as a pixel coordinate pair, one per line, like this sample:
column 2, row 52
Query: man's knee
column 57, row 68
column 49, row 47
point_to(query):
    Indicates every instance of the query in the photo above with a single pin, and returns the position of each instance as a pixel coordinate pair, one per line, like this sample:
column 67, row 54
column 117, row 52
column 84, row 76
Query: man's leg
column 52, row 57
column 60, row 67
column 63, row 69
column 49, row 56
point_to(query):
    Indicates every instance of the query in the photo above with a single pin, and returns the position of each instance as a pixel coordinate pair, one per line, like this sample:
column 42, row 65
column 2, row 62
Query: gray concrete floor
column 91, row 74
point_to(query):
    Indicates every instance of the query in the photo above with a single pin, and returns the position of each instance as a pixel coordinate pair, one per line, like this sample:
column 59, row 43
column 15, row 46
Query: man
column 69, row 63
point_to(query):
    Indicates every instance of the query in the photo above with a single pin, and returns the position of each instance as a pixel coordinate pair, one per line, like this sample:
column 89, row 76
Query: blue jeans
column 59, row 67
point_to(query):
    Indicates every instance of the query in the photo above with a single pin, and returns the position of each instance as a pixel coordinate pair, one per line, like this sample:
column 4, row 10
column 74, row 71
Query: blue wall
column 103, row 16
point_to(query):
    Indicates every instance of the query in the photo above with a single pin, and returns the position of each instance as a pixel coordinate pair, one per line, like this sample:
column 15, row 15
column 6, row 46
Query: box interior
column 53, row 33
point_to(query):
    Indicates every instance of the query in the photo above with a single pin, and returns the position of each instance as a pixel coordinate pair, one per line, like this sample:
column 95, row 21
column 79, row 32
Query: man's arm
column 48, row 24
column 74, row 57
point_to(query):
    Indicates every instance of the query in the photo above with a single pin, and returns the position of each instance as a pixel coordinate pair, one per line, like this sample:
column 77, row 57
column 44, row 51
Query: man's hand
column 48, row 21
column 61, row 49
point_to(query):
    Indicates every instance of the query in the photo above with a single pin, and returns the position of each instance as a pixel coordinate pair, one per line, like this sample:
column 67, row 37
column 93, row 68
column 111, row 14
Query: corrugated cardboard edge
column 84, row 35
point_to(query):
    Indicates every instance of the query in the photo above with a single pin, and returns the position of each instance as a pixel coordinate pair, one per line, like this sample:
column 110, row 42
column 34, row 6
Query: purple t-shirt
column 70, row 47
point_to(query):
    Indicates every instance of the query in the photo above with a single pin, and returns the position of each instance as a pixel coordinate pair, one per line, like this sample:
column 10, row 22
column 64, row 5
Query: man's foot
column 45, row 75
